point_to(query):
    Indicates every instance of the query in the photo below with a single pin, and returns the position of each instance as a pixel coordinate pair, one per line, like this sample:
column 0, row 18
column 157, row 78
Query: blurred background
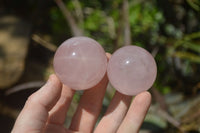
column 31, row 30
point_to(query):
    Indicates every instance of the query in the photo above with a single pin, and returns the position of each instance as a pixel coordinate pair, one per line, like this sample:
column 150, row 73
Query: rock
column 14, row 40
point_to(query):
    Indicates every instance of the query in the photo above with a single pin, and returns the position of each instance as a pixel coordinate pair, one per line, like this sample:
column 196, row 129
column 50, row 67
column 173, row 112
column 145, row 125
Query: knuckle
column 31, row 99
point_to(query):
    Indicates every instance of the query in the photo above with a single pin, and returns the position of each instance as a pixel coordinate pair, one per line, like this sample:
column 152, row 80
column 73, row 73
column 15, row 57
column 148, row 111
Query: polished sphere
column 131, row 70
column 80, row 63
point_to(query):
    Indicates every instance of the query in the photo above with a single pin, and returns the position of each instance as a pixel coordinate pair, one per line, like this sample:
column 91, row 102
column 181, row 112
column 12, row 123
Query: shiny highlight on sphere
column 80, row 63
column 131, row 70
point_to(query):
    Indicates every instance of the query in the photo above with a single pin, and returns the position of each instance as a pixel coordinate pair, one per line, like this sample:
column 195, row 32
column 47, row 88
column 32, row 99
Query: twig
column 117, row 41
column 78, row 11
column 69, row 18
column 159, row 98
column 44, row 43
column 155, row 51
column 111, row 27
column 162, row 110
column 169, row 118
column 127, row 31
column 29, row 85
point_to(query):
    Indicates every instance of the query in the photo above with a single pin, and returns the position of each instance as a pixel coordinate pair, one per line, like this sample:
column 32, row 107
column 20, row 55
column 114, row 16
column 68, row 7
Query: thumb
column 34, row 115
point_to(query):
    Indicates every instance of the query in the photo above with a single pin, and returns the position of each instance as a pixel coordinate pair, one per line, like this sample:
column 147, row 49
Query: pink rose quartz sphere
column 131, row 70
column 80, row 63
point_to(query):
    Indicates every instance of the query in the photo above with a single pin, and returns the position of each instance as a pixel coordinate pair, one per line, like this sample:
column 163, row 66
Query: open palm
column 45, row 110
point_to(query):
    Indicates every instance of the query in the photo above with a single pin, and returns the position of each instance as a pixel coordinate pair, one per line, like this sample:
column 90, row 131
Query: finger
column 58, row 113
column 108, row 55
column 54, row 128
column 136, row 113
column 34, row 115
column 89, row 107
column 115, row 114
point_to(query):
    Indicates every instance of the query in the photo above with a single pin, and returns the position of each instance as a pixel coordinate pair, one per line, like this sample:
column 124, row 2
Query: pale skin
column 45, row 110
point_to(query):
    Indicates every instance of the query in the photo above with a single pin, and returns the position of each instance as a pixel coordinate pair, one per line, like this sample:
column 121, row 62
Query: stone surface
column 80, row 63
column 131, row 70
column 14, row 40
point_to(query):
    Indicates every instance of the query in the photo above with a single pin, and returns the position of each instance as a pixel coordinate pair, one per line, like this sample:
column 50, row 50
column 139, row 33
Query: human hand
column 45, row 111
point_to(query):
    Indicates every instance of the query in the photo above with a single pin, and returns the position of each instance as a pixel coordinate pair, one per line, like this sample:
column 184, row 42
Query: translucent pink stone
column 80, row 63
column 131, row 70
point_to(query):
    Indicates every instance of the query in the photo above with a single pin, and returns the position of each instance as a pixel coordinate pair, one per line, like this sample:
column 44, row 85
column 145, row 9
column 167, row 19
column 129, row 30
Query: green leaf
column 192, row 36
column 188, row 56
column 192, row 46
column 195, row 4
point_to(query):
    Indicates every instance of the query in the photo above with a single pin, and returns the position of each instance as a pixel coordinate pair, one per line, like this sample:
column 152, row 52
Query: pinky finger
column 136, row 113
